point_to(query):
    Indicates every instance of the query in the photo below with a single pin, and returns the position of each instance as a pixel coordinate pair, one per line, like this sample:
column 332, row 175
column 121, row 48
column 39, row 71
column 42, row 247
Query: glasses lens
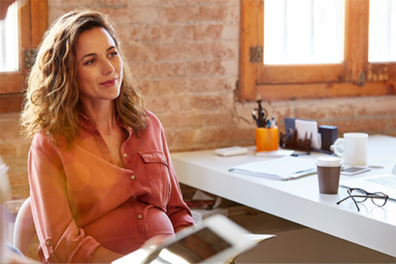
column 359, row 195
column 379, row 201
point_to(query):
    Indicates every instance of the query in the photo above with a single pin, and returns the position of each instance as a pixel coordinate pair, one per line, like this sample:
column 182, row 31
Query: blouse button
column 133, row 177
column 129, row 128
column 124, row 155
column 48, row 243
column 163, row 159
column 140, row 216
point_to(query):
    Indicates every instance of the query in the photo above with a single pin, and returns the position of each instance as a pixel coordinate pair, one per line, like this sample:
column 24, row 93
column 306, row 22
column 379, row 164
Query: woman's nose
column 107, row 67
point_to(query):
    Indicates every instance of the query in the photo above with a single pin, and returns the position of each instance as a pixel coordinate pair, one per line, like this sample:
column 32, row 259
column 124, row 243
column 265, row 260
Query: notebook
column 385, row 183
column 285, row 168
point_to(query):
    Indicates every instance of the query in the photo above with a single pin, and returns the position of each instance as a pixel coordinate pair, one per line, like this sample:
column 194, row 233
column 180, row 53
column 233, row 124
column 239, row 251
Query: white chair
column 24, row 228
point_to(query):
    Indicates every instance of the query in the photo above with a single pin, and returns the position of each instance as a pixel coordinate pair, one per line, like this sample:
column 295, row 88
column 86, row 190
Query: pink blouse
column 80, row 200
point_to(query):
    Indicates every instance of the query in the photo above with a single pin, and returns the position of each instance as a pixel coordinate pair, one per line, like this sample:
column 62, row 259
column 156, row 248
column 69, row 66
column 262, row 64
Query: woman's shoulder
column 42, row 141
column 152, row 120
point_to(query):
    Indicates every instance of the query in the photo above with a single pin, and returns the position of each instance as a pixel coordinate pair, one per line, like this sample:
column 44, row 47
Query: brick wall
column 185, row 54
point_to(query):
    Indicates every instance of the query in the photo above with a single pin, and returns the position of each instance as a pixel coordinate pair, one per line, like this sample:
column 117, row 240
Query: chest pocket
column 157, row 173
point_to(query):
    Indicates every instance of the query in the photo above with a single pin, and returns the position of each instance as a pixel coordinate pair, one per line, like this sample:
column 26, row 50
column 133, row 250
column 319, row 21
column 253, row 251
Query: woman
column 101, row 178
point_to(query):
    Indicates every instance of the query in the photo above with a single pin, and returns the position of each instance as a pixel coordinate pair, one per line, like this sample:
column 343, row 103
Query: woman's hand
column 155, row 241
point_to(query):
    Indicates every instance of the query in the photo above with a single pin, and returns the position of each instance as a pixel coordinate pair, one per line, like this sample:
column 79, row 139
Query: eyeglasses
column 360, row 196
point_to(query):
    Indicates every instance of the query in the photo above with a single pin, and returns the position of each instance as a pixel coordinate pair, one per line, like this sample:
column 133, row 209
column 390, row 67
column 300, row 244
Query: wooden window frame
column 354, row 77
column 33, row 22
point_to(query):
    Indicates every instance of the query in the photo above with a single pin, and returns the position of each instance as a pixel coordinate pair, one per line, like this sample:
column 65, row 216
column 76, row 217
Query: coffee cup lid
column 328, row 161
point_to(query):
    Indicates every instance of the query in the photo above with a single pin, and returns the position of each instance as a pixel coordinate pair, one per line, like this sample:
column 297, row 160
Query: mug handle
column 338, row 147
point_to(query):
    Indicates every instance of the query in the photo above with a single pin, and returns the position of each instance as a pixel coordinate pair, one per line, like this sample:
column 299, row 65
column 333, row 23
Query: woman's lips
column 109, row 82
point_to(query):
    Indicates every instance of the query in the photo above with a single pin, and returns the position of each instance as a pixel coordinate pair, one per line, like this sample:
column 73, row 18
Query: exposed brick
column 195, row 120
column 377, row 106
column 205, row 2
column 222, row 50
column 178, row 52
column 230, row 66
column 203, row 32
column 206, row 84
column 139, row 53
column 178, row 14
column 219, row 13
column 9, row 130
column 328, row 111
column 230, row 32
column 369, row 125
column 70, row 3
column 168, row 86
column 230, row 83
column 392, row 124
column 23, row 191
column 160, row 70
column 206, row 102
column 205, row 68
column 8, row 150
column 131, row 15
column 18, row 179
column 54, row 12
column 115, row 3
column 392, row 133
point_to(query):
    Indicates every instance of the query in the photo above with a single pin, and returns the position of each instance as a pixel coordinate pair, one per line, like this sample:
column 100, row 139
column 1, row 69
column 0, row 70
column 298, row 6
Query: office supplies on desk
column 267, row 139
column 231, row 151
column 385, row 183
column 329, row 168
column 285, row 168
column 262, row 114
column 290, row 127
column 308, row 129
column 275, row 153
column 350, row 171
column 359, row 196
column 329, row 135
column 352, row 148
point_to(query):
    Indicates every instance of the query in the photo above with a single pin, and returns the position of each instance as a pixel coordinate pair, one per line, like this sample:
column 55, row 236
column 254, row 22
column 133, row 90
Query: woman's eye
column 89, row 62
column 113, row 54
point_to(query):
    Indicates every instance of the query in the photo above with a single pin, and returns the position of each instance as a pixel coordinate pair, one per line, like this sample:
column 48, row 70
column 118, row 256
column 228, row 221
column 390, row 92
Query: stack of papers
column 285, row 168
column 275, row 153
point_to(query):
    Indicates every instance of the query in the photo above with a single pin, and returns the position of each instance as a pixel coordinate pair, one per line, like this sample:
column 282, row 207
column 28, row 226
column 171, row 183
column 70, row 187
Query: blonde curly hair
column 52, row 97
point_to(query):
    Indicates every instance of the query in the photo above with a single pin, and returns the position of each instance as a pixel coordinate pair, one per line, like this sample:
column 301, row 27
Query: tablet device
column 353, row 170
column 217, row 239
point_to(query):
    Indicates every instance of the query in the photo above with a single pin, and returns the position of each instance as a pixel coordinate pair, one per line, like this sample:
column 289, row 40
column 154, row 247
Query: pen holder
column 267, row 139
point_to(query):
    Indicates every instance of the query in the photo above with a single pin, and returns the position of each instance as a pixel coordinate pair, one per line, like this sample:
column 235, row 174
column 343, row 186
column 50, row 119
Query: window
column 9, row 45
column 286, row 56
column 32, row 21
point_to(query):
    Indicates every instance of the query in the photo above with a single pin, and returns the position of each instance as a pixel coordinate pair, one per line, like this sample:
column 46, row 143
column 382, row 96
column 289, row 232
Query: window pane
column 9, row 40
column 303, row 31
column 382, row 31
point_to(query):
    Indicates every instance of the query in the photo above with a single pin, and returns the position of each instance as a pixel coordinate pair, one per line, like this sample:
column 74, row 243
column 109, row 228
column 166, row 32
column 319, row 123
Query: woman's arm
column 103, row 255
column 61, row 240
column 177, row 210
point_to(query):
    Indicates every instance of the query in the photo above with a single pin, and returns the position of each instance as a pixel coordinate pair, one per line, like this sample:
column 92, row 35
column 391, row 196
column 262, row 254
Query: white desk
column 299, row 200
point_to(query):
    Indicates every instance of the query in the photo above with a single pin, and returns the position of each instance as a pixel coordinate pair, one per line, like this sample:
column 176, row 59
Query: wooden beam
column 247, row 73
column 271, row 74
column 11, row 102
column 39, row 14
column 284, row 92
column 356, row 38
column 11, row 82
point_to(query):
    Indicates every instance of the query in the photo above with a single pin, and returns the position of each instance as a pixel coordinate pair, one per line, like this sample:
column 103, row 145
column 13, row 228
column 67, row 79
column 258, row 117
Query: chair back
column 24, row 228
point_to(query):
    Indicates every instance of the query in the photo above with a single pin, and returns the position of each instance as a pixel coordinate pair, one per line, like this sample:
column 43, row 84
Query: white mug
column 352, row 148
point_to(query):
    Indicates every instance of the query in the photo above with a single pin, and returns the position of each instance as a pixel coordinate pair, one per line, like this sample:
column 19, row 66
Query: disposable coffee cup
column 329, row 170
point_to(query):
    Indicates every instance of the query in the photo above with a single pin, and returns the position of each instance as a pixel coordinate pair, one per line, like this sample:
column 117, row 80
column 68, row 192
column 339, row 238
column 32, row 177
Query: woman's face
column 99, row 66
